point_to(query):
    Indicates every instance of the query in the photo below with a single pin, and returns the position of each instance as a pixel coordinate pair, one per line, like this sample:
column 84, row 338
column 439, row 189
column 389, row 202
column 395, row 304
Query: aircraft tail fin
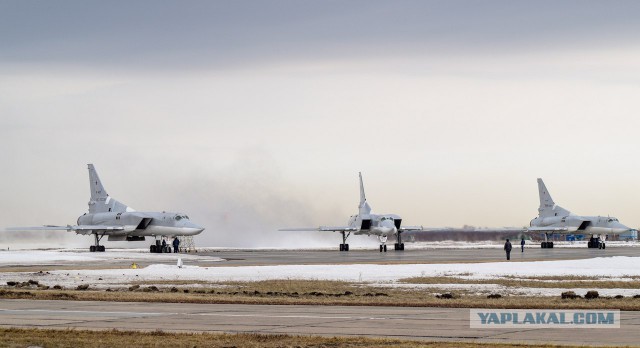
column 547, row 206
column 100, row 201
column 363, row 207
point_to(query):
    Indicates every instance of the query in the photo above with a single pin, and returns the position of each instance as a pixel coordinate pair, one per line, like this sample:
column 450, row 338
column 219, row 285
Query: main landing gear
column 158, row 248
column 344, row 246
column 597, row 242
column 399, row 245
column 546, row 244
column 97, row 246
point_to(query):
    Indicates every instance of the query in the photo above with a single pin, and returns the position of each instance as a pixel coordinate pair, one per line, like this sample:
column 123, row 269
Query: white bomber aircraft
column 365, row 222
column 108, row 217
column 553, row 218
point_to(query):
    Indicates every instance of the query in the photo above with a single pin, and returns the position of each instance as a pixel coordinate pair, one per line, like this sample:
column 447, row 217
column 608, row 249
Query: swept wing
column 551, row 229
column 323, row 228
column 81, row 229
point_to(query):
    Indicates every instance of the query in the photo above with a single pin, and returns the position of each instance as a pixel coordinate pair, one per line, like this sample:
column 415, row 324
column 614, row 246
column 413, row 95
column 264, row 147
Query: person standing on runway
column 507, row 249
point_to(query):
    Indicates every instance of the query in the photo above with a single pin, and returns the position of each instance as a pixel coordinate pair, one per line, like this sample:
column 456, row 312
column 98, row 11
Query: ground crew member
column 522, row 244
column 176, row 243
column 507, row 248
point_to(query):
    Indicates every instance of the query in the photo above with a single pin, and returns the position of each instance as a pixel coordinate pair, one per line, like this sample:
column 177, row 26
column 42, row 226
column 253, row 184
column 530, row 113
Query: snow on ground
column 387, row 275
column 605, row 267
column 484, row 289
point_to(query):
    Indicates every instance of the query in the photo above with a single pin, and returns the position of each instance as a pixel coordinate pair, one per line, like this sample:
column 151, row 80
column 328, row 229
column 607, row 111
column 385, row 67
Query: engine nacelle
column 546, row 221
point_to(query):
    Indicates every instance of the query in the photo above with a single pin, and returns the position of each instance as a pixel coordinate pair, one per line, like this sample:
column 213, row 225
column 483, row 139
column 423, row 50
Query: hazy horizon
column 254, row 116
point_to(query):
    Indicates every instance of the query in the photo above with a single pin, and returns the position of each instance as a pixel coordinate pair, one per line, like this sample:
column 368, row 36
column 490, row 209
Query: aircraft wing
column 322, row 228
column 78, row 229
column 549, row 229
column 410, row 228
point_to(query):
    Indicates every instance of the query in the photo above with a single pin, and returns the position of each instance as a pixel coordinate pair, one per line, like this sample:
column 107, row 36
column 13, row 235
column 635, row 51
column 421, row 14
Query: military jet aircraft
column 365, row 222
column 553, row 218
column 108, row 217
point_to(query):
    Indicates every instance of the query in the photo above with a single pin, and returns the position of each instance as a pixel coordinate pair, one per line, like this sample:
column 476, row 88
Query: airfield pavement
column 207, row 257
column 429, row 324
column 433, row 324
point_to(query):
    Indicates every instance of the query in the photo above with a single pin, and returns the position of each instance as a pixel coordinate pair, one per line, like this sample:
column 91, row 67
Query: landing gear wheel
column 604, row 246
column 344, row 246
column 385, row 248
column 599, row 245
column 92, row 248
column 381, row 248
column 396, row 246
column 152, row 249
column 543, row 245
column 589, row 245
column 550, row 245
column 101, row 248
column 401, row 246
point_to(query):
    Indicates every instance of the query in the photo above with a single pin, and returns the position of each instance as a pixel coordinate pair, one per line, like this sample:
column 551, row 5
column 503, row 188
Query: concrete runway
column 430, row 324
column 307, row 257
column 253, row 257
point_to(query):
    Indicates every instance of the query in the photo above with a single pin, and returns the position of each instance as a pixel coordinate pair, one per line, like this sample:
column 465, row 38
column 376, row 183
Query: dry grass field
column 538, row 282
column 85, row 338
column 310, row 292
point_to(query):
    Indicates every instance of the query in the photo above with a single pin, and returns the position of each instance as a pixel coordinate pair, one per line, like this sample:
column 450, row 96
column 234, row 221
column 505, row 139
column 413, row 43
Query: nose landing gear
column 383, row 241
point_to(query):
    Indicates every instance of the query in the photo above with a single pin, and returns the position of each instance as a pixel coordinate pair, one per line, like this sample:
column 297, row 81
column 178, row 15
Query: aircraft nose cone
column 620, row 228
column 193, row 228
column 387, row 227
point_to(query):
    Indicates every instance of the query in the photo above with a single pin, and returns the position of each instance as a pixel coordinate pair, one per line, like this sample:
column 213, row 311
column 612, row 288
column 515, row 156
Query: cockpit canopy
column 612, row 219
column 180, row 217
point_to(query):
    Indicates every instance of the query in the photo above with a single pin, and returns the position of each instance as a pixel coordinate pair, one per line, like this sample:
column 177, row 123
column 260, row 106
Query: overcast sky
column 252, row 116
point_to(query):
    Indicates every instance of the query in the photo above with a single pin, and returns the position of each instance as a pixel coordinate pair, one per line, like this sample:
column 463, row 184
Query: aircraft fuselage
column 142, row 223
column 595, row 225
column 381, row 225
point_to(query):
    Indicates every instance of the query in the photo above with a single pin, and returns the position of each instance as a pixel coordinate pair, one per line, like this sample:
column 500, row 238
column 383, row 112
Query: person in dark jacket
column 522, row 244
column 164, row 245
column 507, row 248
column 176, row 243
